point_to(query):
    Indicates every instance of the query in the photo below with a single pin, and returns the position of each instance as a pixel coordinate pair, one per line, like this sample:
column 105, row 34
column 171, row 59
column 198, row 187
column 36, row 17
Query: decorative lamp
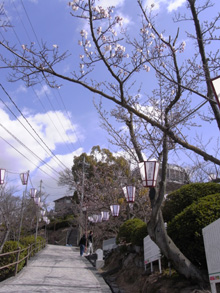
column 99, row 218
column 2, row 176
column 115, row 210
column 33, row 192
column 129, row 192
column 215, row 84
column 91, row 219
column 45, row 219
column 95, row 218
column 37, row 200
column 43, row 212
column 149, row 171
column 24, row 178
column 105, row 216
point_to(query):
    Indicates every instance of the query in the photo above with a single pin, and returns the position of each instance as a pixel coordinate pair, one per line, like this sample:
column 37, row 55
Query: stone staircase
column 72, row 237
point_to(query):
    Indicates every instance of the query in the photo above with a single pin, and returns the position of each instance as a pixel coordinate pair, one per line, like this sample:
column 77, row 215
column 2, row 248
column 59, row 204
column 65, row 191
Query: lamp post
column 2, row 176
column 33, row 192
column 24, row 180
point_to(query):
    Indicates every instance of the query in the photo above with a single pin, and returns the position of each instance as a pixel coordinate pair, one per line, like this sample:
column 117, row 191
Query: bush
column 186, row 228
column 178, row 200
column 129, row 231
column 11, row 246
column 139, row 234
column 29, row 240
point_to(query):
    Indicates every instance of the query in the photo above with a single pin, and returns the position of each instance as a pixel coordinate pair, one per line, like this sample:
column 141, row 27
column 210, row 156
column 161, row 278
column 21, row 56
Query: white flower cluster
column 147, row 68
column 104, row 13
column 182, row 47
column 99, row 30
column 84, row 33
column 73, row 5
column 119, row 20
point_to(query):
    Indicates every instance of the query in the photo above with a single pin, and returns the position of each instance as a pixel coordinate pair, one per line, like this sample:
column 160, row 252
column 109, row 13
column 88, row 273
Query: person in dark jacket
column 82, row 244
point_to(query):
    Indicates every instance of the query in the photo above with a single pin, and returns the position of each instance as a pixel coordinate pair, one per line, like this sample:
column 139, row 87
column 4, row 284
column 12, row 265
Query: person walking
column 90, row 243
column 82, row 244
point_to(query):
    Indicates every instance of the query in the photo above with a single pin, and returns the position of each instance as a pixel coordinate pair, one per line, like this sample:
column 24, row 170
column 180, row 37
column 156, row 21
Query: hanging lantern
column 45, row 219
column 33, row 192
column 43, row 212
column 95, row 218
column 48, row 222
column 2, row 176
column 129, row 192
column 215, row 83
column 91, row 219
column 40, row 204
column 24, row 178
column 105, row 216
column 149, row 171
column 115, row 210
column 99, row 218
column 37, row 200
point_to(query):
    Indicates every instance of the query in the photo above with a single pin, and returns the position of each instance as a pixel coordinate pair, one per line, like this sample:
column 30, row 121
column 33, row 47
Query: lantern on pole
column 43, row 212
column 105, row 216
column 115, row 208
column 95, row 218
column 24, row 178
column 2, row 176
column 99, row 218
column 33, row 192
column 149, row 171
column 129, row 192
column 37, row 200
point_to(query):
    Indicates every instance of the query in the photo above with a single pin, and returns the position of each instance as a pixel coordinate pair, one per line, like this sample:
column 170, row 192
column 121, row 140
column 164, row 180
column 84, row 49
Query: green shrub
column 127, row 230
column 139, row 234
column 178, row 200
column 11, row 246
column 29, row 240
column 186, row 228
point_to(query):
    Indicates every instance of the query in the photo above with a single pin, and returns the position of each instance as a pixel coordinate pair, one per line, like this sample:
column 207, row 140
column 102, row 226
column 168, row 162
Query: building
column 64, row 205
column 176, row 177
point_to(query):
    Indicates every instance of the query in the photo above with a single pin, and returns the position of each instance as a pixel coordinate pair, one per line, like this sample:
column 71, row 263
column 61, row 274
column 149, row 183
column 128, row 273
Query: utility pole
column 38, row 210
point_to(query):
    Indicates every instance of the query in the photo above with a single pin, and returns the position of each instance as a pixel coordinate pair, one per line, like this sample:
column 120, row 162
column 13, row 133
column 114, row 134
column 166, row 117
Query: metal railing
column 32, row 249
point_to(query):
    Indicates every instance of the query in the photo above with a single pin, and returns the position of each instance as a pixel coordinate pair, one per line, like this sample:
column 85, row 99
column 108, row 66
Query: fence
column 31, row 250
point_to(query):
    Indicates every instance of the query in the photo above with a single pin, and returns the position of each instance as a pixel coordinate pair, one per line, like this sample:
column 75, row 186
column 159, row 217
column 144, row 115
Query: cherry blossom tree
column 121, row 57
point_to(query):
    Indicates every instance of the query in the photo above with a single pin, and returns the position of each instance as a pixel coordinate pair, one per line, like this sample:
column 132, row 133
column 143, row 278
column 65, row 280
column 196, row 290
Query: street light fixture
column 33, row 192
column 149, row 171
column 105, row 216
column 24, row 178
column 2, row 176
column 115, row 208
column 129, row 192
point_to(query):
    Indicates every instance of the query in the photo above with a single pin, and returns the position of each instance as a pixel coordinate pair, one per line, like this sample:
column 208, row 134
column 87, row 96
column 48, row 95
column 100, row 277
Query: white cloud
column 107, row 3
column 44, row 90
column 16, row 159
column 171, row 5
column 174, row 5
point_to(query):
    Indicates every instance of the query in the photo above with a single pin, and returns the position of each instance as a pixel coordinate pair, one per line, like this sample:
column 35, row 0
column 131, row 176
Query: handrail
column 29, row 249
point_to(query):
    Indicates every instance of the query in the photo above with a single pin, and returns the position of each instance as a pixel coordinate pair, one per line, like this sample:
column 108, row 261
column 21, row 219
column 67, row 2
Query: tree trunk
column 158, row 234
column 7, row 231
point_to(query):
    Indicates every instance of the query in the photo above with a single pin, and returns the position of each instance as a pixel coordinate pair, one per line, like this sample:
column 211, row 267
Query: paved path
column 57, row 269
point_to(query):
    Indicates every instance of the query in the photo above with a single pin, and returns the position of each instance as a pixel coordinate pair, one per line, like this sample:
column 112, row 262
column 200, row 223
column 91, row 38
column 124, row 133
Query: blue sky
column 64, row 118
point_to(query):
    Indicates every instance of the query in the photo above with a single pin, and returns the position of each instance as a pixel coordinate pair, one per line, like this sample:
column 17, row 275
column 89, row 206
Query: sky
column 64, row 120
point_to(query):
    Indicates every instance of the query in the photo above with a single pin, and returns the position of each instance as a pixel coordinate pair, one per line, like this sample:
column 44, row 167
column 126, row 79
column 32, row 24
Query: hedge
column 132, row 231
column 186, row 228
column 178, row 200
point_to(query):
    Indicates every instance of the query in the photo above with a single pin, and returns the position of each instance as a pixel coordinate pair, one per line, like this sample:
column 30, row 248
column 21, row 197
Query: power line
column 27, row 158
column 41, row 160
column 51, row 152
